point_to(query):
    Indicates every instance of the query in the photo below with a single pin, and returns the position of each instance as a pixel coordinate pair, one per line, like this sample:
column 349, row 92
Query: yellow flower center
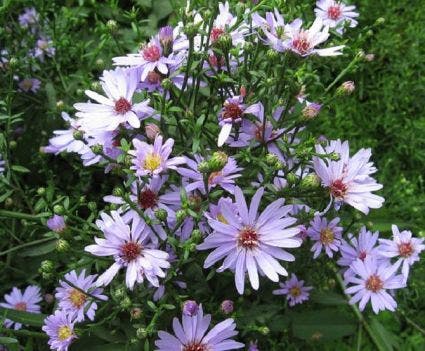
column 152, row 162
column 77, row 298
column 221, row 218
column 64, row 332
column 326, row 236
column 295, row 291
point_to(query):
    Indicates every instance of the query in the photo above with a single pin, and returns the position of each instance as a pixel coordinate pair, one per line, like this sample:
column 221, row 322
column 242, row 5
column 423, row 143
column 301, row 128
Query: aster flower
column 303, row 41
column 404, row 247
column 190, row 335
column 273, row 29
column 131, row 248
column 370, row 280
column 253, row 346
column 27, row 301
column 335, row 14
column 74, row 301
column 294, row 289
column 29, row 84
column 154, row 159
column 56, row 223
column 250, row 242
column 44, row 48
column 327, row 235
column 358, row 248
column 348, row 179
column 28, row 18
column 232, row 113
column 117, row 107
column 60, row 329
column 225, row 178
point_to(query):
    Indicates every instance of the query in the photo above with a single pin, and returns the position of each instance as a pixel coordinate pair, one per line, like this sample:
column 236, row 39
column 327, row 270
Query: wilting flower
column 326, row 235
column 29, row 84
column 27, row 301
column 190, row 335
column 335, row 14
column 131, row 248
column 252, row 243
column 60, row 329
column 154, row 159
column 304, row 41
column 370, row 281
column 348, row 179
column 28, row 18
column 117, row 107
column 56, row 223
column 76, row 302
column 294, row 290
column 358, row 248
column 225, row 178
column 404, row 247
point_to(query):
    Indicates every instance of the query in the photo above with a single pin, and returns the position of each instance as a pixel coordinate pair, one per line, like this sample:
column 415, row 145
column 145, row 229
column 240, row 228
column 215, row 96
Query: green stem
column 342, row 74
column 18, row 215
column 35, row 242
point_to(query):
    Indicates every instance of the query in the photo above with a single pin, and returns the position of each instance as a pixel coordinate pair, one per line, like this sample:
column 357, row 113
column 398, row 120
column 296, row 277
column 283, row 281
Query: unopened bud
column 13, row 62
column 92, row 206
column 204, row 167
column 370, row 57
column 118, row 191
column 125, row 303
column 190, row 308
column 161, row 214
column 60, row 105
column 196, row 235
column 167, row 83
column 46, row 266
column 380, row 20
column 272, row 54
column 217, row 161
column 41, row 191
column 180, row 215
column 97, row 149
column 264, row 330
column 227, row 306
column 62, row 245
column 135, row 313
column 310, row 181
column 100, row 63
column 141, row 333
column 291, row 178
column 112, row 25
column 346, row 88
column 271, row 159
column 151, row 130
column 58, row 209
column 78, row 135
column 311, row 110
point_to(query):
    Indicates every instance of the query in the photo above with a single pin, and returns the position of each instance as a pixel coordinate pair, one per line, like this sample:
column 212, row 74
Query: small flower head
column 29, row 84
column 335, row 14
column 294, row 289
column 60, row 329
column 56, row 223
column 326, row 235
column 227, row 306
column 190, row 308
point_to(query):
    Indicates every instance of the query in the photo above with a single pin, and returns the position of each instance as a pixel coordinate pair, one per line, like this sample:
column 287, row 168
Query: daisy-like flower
column 56, row 223
column 303, row 41
column 294, row 290
column 131, row 248
column 28, row 18
column 74, row 301
column 225, row 178
column 29, row 84
column 348, row 179
column 250, row 242
column 273, row 29
column 190, row 335
column 335, row 14
column 370, row 281
column 117, row 107
column 44, row 48
column 2, row 165
column 358, row 248
column 232, row 113
column 27, row 301
column 404, row 247
column 154, row 159
column 60, row 329
column 326, row 235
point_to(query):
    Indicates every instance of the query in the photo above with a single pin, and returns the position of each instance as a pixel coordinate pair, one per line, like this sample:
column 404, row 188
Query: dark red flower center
column 362, row 255
column 147, row 199
column 301, row 44
column 130, row 251
column 122, row 106
column 338, row 188
column 248, row 238
column 405, row 249
column 151, row 53
column 232, row 110
column 216, row 34
column 195, row 346
column 374, row 283
column 21, row 306
column 154, row 77
column 334, row 12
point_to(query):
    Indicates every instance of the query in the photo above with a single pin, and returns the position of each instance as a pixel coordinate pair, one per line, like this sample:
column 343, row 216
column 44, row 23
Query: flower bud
column 60, row 105
column 13, row 144
column 135, row 313
column 311, row 110
column 204, row 167
column 196, row 235
column 92, row 206
column 95, row 85
column 181, row 215
column 310, row 181
column 58, row 209
column 100, row 63
column 151, row 130
column 8, row 203
column 118, row 191
column 49, row 298
column 271, row 159
column 13, row 62
column 62, row 245
column 224, row 42
column 97, row 149
column 370, row 57
column 335, row 156
column 125, row 303
column 272, row 55
column 227, row 306
column 291, row 178
column 167, row 83
column 161, row 214
column 190, row 308
column 264, row 330
column 217, row 161
column 191, row 29
column 78, row 135
column 380, row 20
column 46, row 266
column 56, row 223
column 141, row 333
column 41, row 191
column 112, row 25
column 346, row 88
column 119, row 293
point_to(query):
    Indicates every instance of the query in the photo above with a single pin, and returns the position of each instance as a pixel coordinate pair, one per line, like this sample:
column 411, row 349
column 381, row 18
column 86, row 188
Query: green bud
column 360, row 54
column 128, row 161
column 224, row 42
column 92, row 206
column 125, row 303
column 41, row 191
column 95, row 85
column 204, row 167
column 167, row 83
column 196, row 235
column 141, row 333
column 335, row 156
column 192, row 247
column 118, row 191
column 58, row 209
column 112, row 25
column 217, row 161
column 8, row 203
column 46, row 266
column 264, row 330
column 161, row 214
column 369, row 33
column 380, row 20
column 97, row 149
column 13, row 144
column 248, row 47
column 60, row 105
column 100, row 63
column 181, row 215
column 82, row 199
column 271, row 159
column 310, row 181
column 191, row 29
column 291, row 178
column 13, row 62
column 62, row 245
column 80, row 91
column 346, row 88
column 272, row 54
column 24, row 222
column 78, row 135
column 119, row 293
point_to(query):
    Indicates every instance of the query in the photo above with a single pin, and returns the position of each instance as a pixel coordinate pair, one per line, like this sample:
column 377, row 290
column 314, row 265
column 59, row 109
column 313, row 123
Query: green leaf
column 152, row 305
column 323, row 325
column 384, row 340
column 4, row 340
column 162, row 8
column 5, row 195
column 26, row 318
column 328, row 298
column 20, row 169
column 51, row 95
column 39, row 250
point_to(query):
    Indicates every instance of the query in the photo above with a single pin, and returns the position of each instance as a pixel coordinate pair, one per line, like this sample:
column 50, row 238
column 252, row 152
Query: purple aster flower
column 154, row 159
column 44, row 48
column 28, row 18
column 370, row 280
column 190, row 335
column 358, row 248
column 272, row 29
column 327, row 235
column 311, row 109
column 335, row 14
column 303, row 41
column 232, row 113
column 60, row 329
column 27, row 301
column 402, row 246
column 117, row 107
column 131, row 248
column 250, row 242
column 348, row 179
column 190, row 308
column 29, row 84
column 253, row 346
column 227, row 306
column 225, row 178
column 56, row 223
column 295, row 291
column 74, row 301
